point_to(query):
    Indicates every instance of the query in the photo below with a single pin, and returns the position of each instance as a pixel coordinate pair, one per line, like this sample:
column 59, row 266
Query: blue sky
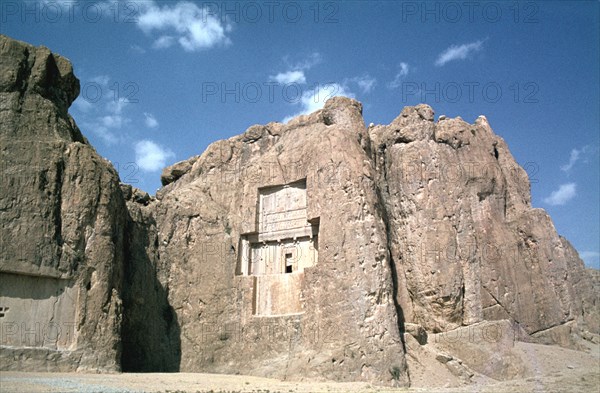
column 162, row 80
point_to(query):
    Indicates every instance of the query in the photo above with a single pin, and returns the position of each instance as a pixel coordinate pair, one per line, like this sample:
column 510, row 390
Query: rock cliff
column 62, row 216
column 465, row 241
column 316, row 249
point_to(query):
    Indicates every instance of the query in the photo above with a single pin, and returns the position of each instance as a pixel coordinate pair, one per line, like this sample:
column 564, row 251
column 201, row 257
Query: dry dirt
column 553, row 369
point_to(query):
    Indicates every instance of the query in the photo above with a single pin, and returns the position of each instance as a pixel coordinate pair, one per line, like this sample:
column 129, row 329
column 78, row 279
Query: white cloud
column 572, row 160
column 577, row 155
column 107, row 136
column 151, row 157
column 313, row 100
column 101, row 80
column 193, row 27
column 565, row 193
column 289, row 77
column 458, row 52
column 305, row 64
column 100, row 112
column 114, row 118
column 366, row 83
column 403, row 69
column 295, row 73
column 64, row 5
column 165, row 41
column 82, row 104
column 112, row 121
column 591, row 258
column 150, row 120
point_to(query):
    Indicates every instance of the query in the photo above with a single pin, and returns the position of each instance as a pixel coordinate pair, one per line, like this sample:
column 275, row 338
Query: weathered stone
column 254, row 133
column 466, row 243
column 62, row 216
column 443, row 358
column 413, row 124
column 566, row 335
column 485, row 347
column 127, row 191
column 175, row 171
column 417, row 331
column 277, row 252
column 460, row 370
column 337, row 319
column 140, row 196
column 150, row 332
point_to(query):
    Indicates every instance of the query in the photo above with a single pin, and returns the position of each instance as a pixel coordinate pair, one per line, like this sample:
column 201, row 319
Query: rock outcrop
column 466, row 243
column 316, row 249
column 62, row 216
column 345, row 327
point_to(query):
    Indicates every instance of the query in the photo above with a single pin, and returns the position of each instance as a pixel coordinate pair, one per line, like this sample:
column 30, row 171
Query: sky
column 160, row 81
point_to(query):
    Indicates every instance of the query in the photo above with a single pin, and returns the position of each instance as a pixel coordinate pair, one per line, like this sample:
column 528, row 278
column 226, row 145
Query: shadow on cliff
column 381, row 206
column 150, row 331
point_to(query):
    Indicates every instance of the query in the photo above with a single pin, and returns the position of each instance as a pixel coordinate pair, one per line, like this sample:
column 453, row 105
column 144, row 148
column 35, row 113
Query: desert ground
column 553, row 369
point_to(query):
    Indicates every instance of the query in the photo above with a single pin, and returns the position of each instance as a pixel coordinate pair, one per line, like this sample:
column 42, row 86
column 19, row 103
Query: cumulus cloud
column 186, row 23
column 366, row 83
column 150, row 120
column 564, row 194
column 165, row 41
column 458, row 52
column 289, row 77
column 151, row 157
column 403, row 70
column 314, row 99
column 112, row 121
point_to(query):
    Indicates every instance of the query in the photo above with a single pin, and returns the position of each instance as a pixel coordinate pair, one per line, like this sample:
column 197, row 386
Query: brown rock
column 443, row 358
column 333, row 314
column 276, row 252
column 487, row 348
column 417, row 331
column 465, row 242
column 62, row 216
column 175, row 171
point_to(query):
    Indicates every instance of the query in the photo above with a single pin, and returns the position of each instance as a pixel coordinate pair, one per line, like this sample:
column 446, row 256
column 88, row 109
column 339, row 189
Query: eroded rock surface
column 466, row 243
column 317, row 249
column 63, row 219
column 338, row 319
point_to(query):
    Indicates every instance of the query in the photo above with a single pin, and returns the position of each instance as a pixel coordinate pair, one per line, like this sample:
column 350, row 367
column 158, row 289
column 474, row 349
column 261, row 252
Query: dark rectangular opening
column 288, row 262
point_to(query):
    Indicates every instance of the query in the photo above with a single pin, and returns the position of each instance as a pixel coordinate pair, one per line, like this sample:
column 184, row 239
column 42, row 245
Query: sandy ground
column 552, row 369
column 567, row 382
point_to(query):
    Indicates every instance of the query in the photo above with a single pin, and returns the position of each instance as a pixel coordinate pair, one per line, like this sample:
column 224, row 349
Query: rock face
column 150, row 333
column 296, row 251
column 62, row 216
column 466, row 244
column 224, row 225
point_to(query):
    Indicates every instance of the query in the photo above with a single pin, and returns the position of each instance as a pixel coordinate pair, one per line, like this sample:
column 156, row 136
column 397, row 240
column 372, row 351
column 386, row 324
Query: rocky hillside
column 317, row 249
